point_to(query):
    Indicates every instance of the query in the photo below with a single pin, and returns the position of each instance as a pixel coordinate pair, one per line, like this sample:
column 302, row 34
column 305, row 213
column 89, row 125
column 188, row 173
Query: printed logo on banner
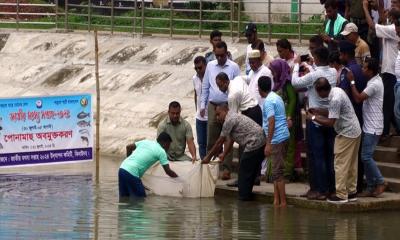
column 48, row 129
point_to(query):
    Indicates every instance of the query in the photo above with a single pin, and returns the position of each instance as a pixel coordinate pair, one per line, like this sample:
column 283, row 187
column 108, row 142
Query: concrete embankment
column 138, row 76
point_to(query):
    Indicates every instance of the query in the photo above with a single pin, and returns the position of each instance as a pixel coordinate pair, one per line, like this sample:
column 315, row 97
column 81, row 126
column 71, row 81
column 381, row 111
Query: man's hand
column 326, row 38
column 194, row 160
column 202, row 112
column 350, row 76
column 268, row 150
column 221, row 157
column 365, row 4
column 312, row 111
column 289, row 122
column 206, row 160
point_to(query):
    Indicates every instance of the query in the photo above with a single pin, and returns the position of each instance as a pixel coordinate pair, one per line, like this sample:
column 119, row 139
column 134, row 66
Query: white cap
column 349, row 28
column 254, row 53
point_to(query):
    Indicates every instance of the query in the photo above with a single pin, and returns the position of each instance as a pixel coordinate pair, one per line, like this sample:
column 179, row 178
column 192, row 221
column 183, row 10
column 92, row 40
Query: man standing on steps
column 340, row 115
column 181, row 133
column 201, row 122
column 211, row 96
column 246, row 133
column 372, row 98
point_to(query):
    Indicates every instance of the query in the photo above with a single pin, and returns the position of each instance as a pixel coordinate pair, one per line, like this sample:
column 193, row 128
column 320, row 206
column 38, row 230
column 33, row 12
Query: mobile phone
column 304, row 58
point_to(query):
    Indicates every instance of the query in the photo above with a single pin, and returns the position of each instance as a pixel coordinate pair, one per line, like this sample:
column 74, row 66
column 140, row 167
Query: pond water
column 57, row 203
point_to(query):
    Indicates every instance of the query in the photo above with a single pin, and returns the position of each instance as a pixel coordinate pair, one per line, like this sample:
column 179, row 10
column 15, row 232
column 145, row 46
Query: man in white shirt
column 372, row 98
column 211, row 96
column 239, row 98
column 258, row 69
column 201, row 122
column 320, row 139
column 389, row 54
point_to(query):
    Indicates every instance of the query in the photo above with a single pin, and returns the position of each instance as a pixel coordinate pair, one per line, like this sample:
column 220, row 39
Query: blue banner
column 45, row 129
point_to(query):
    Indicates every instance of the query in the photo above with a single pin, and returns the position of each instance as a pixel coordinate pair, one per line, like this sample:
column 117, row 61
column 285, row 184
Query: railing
column 294, row 19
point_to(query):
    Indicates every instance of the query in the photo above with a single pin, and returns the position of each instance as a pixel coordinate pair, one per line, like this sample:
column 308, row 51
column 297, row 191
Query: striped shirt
column 373, row 106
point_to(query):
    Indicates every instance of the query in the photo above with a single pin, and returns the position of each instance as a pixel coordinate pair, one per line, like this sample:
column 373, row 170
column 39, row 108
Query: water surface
column 68, row 205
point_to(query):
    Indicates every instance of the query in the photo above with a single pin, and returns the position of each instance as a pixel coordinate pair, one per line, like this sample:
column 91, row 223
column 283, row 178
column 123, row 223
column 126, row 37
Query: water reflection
column 72, row 207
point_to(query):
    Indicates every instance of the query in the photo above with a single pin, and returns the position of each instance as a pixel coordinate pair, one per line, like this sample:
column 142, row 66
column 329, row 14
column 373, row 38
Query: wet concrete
column 125, row 54
column 3, row 40
column 62, row 76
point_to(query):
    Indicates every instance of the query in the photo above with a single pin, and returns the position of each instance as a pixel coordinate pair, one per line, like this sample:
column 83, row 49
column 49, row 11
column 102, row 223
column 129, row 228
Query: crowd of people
column 348, row 86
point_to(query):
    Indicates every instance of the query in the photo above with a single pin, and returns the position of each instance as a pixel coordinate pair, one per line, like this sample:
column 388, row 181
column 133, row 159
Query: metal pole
column 299, row 18
column 96, row 54
column 231, row 20
column 171, row 7
column 238, row 25
column 90, row 15
column 142, row 17
column 66, row 16
column 56, row 11
column 17, row 17
column 134, row 17
column 200, row 18
column 112, row 16
column 269, row 22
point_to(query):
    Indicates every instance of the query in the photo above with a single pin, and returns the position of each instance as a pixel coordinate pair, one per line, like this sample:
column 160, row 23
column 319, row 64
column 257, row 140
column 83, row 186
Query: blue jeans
column 397, row 103
column 320, row 142
column 201, row 129
column 372, row 173
column 129, row 185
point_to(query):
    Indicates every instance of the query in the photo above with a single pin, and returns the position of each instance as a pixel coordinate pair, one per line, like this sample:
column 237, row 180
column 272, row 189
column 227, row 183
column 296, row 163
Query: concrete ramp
column 139, row 76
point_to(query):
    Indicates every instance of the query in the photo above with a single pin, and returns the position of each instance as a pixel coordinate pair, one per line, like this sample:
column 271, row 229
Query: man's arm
column 367, row 14
column 214, row 150
column 227, row 147
column 329, row 122
column 205, row 90
column 169, row 172
column 319, row 111
column 192, row 148
column 195, row 100
column 271, row 131
column 301, row 82
column 358, row 97
column 129, row 149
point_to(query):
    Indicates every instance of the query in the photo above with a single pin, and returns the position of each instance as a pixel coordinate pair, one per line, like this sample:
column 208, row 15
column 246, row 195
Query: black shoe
column 352, row 197
column 233, row 184
column 337, row 200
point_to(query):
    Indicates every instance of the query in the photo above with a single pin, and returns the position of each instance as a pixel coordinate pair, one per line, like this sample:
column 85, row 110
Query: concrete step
column 394, row 184
column 393, row 141
column 387, row 154
column 389, row 170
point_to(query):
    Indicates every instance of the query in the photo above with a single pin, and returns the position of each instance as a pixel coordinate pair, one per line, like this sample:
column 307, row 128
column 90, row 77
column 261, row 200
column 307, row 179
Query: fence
column 294, row 19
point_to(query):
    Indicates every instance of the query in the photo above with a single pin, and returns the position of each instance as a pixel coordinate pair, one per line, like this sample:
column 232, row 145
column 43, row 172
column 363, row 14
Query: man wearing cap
column 211, row 95
column 251, row 35
column 258, row 69
column 350, row 32
column 347, row 53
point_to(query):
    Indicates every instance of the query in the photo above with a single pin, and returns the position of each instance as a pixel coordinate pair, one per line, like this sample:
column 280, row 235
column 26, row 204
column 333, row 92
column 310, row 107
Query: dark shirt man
column 334, row 25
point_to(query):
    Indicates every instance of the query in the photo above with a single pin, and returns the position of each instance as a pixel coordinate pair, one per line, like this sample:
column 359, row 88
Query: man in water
column 144, row 154
column 181, row 134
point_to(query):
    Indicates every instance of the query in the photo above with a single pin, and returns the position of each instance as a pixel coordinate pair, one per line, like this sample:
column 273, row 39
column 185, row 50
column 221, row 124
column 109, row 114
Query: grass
column 158, row 21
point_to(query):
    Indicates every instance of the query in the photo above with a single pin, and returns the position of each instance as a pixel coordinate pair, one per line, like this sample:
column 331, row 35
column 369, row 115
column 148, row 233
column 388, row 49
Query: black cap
column 250, row 28
column 346, row 46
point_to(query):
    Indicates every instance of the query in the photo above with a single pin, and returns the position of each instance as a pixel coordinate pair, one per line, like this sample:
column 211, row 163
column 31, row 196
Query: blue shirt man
column 145, row 154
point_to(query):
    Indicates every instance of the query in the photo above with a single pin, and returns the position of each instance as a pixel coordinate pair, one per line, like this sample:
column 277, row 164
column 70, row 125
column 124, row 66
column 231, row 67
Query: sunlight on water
column 56, row 206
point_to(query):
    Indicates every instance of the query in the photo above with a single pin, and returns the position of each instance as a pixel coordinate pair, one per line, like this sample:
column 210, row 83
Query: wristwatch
column 352, row 82
column 313, row 117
